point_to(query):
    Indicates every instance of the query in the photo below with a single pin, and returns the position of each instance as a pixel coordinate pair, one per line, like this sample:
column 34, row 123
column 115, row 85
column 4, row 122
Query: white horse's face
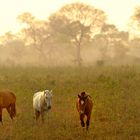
column 48, row 98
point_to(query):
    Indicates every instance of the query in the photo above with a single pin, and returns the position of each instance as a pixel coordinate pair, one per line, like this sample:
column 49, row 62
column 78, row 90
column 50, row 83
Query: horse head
column 48, row 98
column 82, row 102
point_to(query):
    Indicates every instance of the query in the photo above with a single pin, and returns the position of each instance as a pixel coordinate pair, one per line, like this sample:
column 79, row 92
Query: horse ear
column 51, row 92
column 79, row 96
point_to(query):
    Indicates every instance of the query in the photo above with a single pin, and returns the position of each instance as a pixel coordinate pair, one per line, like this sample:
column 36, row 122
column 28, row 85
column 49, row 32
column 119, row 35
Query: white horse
column 42, row 102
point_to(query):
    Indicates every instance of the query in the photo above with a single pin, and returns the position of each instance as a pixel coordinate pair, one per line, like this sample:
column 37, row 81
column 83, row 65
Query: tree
column 111, row 41
column 136, row 16
column 134, row 24
column 7, row 37
column 13, row 48
column 35, row 32
column 77, row 23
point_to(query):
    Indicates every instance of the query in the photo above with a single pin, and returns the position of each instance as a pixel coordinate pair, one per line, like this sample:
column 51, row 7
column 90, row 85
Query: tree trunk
column 78, row 55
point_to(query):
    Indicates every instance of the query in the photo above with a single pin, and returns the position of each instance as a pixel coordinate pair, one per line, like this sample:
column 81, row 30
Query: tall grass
column 115, row 92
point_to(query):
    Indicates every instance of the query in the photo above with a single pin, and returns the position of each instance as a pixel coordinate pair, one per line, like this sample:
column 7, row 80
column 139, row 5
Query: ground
column 115, row 92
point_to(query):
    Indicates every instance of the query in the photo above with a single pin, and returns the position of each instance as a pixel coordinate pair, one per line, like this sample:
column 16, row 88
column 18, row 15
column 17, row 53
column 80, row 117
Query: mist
column 70, row 39
column 90, row 55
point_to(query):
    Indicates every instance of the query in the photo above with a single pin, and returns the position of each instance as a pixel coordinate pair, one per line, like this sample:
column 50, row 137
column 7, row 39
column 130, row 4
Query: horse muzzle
column 49, row 107
column 81, row 112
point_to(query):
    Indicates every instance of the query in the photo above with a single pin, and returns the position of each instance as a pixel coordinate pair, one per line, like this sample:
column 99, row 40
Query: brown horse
column 8, row 101
column 84, row 106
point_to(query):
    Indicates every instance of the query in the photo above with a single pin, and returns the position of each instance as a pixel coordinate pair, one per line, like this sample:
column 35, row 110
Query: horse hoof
column 87, row 129
column 83, row 125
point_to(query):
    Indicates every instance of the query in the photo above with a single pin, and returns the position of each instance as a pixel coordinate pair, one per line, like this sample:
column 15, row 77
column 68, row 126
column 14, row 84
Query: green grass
column 115, row 92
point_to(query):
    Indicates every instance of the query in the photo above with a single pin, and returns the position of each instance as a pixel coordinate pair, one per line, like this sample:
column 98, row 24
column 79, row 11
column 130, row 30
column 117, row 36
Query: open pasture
column 115, row 92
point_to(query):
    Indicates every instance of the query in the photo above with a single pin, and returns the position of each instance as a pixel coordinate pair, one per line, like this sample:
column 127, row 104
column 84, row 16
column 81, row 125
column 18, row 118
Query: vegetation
column 77, row 34
column 115, row 92
column 78, row 22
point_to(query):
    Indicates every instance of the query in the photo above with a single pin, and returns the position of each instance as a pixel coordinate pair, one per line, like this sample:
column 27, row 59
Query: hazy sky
column 118, row 11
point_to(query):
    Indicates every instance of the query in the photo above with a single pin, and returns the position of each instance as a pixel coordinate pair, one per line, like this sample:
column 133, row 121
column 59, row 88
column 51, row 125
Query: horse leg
column 1, row 115
column 88, row 121
column 82, row 120
column 9, row 111
column 42, row 116
column 13, row 110
column 37, row 114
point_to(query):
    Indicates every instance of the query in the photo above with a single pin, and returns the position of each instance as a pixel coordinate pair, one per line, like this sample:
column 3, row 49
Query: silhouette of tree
column 111, row 41
column 35, row 32
column 76, row 23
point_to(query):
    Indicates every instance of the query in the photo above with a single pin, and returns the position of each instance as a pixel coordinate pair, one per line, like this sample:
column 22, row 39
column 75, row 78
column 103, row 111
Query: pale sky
column 118, row 11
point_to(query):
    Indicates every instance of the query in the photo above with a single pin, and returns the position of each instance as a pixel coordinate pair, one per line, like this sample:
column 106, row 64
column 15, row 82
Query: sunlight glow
column 118, row 11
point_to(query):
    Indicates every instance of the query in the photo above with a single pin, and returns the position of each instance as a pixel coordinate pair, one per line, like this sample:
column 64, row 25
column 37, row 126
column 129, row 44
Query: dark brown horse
column 8, row 101
column 84, row 106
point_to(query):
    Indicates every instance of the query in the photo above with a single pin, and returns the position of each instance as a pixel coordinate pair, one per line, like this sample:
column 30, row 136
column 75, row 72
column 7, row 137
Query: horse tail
column 13, row 109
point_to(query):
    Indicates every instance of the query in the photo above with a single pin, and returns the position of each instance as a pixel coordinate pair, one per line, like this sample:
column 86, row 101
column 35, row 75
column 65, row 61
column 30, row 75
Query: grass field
column 115, row 92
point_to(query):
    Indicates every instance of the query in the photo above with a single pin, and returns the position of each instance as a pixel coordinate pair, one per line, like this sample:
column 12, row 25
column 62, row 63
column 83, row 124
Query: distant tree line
column 74, row 35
